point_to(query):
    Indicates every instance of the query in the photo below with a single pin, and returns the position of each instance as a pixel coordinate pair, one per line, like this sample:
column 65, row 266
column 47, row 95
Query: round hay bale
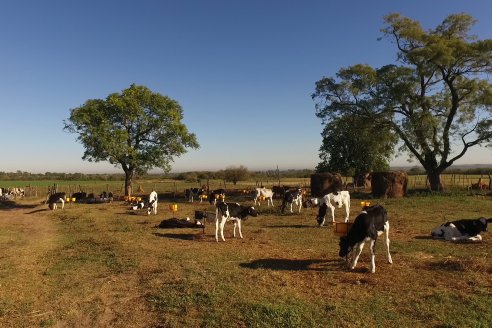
column 389, row 184
column 324, row 183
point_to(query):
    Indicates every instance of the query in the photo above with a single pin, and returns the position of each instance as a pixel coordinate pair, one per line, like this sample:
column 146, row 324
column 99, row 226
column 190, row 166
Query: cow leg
column 216, row 229
column 238, row 221
column 387, row 243
column 332, row 208
column 358, row 250
column 269, row 201
column 347, row 211
column 222, row 224
column 63, row 202
column 372, row 266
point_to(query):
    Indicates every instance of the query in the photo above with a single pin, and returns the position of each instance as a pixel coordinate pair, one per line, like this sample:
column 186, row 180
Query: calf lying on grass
column 231, row 212
column 368, row 225
column 461, row 230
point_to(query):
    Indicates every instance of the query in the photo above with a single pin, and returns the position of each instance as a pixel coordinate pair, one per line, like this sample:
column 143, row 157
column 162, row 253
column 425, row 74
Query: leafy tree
column 437, row 98
column 354, row 146
column 235, row 174
column 136, row 130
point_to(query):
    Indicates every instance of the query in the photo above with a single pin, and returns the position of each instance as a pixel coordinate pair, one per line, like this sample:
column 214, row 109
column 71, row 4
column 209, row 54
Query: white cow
column 264, row 193
column 339, row 199
column 152, row 203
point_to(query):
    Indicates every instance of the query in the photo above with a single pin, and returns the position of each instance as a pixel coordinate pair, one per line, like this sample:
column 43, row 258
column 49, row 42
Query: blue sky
column 243, row 71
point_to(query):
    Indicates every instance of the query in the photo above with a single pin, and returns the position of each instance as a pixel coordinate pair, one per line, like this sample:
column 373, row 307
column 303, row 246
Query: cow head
column 483, row 221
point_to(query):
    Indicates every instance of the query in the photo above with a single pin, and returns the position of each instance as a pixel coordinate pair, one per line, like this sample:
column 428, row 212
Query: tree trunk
column 434, row 178
column 128, row 183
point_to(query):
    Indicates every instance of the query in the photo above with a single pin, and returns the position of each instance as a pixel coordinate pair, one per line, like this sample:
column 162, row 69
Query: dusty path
column 26, row 235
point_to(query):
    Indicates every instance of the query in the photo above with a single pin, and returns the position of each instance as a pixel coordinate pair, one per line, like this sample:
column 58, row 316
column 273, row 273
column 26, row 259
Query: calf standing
column 153, row 197
column 264, row 192
column 370, row 223
column 231, row 212
column 291, row 197
column 340, row 198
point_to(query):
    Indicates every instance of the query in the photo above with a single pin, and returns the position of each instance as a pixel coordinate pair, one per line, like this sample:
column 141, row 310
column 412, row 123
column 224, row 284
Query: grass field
column 105, row 266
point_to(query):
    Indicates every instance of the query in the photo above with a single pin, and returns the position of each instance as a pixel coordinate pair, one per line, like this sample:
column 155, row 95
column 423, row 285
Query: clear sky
column 243, row 71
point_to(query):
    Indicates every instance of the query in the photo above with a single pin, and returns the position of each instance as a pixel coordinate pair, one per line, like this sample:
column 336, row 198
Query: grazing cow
column 461, row 230
column 370, row 223
column 194, row 192
column 58, row 197
column 290, row 197
column 138, row 206
column 216, row 195
column 152, row 203
column 340, row 198
column 265, row 193
column 231, row 212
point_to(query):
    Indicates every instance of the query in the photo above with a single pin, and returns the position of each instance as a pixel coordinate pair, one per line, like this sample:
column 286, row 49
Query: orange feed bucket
column 341, row 228
column 363, row 204
column 173, row 207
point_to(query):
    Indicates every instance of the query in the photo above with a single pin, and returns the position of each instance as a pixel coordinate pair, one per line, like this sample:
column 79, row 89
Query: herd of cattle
column 11, row 193
column 370, row 223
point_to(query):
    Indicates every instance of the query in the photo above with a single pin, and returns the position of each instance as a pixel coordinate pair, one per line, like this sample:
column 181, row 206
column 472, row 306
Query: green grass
column 104, row 265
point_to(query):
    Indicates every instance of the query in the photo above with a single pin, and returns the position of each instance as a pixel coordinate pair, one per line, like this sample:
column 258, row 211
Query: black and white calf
column 368, row 225
column 153, row 197
column 216, row 195
column 138, row 206
column 192, row 193
column 58, row 197
column 263, row 193
column 231, row 212
column 337, row 198
column 290, row 197
column 462, row 230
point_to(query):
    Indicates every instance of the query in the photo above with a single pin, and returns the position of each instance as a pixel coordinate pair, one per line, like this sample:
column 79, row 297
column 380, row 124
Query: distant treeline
column 184, row 176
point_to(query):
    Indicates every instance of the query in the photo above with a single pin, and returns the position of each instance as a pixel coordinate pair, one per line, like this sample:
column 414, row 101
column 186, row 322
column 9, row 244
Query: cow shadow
column 425, row 238
column 292, row 226
column 37, row 211
column 181, row 236
column 295, row 264
column 11, row 205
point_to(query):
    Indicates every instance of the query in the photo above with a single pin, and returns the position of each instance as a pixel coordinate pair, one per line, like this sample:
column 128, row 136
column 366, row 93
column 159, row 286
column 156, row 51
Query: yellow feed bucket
column 203, row 196
column 341, row 228
column 139, row 199
column 67, row 199
column 73, row 199
column 173, row 207
column 363, row 204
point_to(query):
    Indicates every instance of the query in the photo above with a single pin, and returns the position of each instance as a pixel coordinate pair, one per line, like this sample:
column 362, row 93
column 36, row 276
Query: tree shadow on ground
column 295, row 264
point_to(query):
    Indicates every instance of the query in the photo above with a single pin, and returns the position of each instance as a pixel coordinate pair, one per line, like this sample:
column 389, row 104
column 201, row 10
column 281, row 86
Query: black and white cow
column 264, row 193
column 368, row 225
column 153, row 198
column 231, row 212
column 337, row 198
column 216, row 195
column 58, row 197
column 292, row 196
column 461, row 230
column 138, row 206
column 192, row 193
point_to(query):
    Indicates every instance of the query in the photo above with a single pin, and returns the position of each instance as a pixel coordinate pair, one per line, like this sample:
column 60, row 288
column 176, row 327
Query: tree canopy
column 436, row 97
column 352, row 147
column 136, row 130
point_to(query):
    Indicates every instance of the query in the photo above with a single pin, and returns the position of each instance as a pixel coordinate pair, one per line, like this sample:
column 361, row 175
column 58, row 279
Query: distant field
column 106, row 266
